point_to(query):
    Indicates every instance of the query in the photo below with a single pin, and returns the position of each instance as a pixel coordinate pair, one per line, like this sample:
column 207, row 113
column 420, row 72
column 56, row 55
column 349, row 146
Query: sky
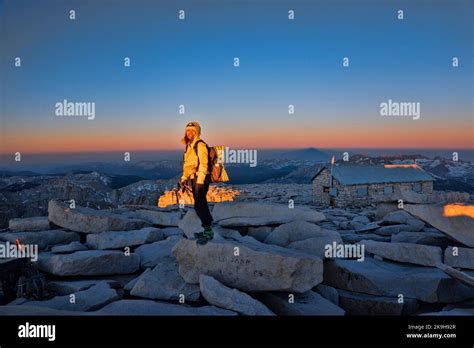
column 190, row 62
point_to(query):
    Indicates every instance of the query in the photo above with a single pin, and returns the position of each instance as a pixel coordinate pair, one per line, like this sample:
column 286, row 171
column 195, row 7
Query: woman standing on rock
column 197, row 176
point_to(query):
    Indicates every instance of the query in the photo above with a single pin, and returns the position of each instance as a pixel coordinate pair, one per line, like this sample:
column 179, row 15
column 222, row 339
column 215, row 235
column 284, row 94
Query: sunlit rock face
column 215, row 194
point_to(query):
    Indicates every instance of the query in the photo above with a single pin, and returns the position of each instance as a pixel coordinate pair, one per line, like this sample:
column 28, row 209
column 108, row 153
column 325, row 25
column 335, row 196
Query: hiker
column 197, row 176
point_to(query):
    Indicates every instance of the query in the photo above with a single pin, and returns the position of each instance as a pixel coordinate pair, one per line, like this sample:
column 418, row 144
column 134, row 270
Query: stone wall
column 427, row 187
column 319, row 196
column 347, row 195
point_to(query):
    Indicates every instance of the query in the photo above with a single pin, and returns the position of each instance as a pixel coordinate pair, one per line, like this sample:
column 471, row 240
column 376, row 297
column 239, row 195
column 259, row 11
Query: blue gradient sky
column 190, row 62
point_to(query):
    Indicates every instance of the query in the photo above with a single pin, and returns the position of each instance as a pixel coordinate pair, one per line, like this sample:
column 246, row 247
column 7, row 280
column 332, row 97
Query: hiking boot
column 205, row 236
column 199, row 234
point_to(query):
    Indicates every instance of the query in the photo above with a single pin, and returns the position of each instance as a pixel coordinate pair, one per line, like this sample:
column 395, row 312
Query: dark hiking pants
column 200, row 202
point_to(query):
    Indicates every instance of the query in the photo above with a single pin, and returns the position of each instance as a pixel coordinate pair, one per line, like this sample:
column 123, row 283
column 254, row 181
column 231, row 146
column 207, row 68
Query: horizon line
column 240, row 148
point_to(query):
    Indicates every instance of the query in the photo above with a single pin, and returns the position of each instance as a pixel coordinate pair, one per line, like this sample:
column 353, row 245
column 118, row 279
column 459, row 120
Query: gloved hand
column 182, row 185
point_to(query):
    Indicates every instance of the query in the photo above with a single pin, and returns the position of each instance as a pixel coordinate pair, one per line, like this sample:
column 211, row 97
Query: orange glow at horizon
column 301, row 136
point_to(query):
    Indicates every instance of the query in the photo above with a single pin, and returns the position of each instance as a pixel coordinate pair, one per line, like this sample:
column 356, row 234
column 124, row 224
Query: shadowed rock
column 91, row 299
column 390, row 279
column 417, row 254
column 190, row 224
column 121, row 239
column 27, row 311
column 362, row 304
column 403, row 218
column 258, row 214
column 463, row 277
column 295, row 231
column 154, row 253
column 352, row 237
column 149, row 307
column 68, row 248
column 222, row 296
column 88, row 263
column 259, row 232
column 248, row 266
column 172, row 231
column 159, row 217
column 164, row 283
column 90, row 220
column 317, row 245
column 44, row 239
column 328, row 292
column 459, row 227
column 308, row 303
column 427, row 238
column 459, row 257
column 37, row 223
column 66, row 287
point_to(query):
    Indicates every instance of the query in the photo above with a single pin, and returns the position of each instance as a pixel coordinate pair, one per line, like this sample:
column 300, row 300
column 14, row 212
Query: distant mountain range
column 103, row 185
column 272, row 164
column 27, row 193
column 285, row 166
column 309, row 154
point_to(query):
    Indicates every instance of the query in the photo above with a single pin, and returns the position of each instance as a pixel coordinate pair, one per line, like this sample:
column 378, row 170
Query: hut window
column 362, row 191
column 416, row 187
column 388, row 189
column 326, row 189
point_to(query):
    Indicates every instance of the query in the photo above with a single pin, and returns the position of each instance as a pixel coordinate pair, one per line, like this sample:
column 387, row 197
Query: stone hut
column 345, row 185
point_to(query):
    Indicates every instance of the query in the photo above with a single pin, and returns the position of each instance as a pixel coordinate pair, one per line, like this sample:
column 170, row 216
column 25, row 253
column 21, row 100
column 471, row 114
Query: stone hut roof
column 347, row 174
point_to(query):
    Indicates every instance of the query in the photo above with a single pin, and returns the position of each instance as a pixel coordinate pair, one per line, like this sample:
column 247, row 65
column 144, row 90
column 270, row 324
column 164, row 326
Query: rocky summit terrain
column 268, row 257
column 28, row 196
